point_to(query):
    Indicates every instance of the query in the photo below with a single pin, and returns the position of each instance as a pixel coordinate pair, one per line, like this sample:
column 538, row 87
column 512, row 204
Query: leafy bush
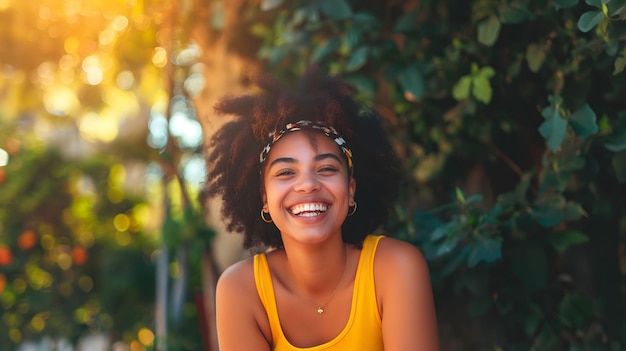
column 511, row 119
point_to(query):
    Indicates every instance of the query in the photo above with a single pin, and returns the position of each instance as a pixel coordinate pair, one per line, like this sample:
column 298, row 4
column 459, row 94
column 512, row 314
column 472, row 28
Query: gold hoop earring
column 265, row 219
column 353, row 210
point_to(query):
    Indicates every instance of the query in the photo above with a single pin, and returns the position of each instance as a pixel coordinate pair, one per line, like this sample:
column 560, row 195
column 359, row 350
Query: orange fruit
column 5, row 256
column 79, row 255
column 27, row 239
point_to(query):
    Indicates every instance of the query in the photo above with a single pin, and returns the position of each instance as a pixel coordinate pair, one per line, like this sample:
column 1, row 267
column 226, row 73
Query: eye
column 328, row 169
column 284, row 172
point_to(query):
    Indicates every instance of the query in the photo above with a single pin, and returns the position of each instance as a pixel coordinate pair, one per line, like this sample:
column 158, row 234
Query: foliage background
column 509, row 115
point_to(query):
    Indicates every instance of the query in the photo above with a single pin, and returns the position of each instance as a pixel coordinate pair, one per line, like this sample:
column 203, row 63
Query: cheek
column 273, row 194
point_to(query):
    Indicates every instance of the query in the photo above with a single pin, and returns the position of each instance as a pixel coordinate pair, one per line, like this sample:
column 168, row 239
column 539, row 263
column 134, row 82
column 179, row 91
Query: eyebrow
column 317, row 158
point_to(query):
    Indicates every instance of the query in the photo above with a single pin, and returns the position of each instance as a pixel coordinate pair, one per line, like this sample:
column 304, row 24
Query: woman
column 308, row 175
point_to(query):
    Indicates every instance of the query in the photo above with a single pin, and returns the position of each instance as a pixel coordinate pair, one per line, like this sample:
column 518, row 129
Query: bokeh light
column 4, row 157
column 96, row 127
column 159, row 57
column 145, row 336
column 61, row 101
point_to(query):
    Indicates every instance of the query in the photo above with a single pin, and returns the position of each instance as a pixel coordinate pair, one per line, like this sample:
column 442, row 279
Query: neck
column 316, row 271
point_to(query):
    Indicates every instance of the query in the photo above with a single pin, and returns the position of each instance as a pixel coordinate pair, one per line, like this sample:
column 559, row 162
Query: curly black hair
column 233, row 160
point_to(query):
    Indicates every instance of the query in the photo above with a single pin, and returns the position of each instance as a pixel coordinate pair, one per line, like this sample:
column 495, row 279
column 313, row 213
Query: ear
column 264, row 199
column 351, row 189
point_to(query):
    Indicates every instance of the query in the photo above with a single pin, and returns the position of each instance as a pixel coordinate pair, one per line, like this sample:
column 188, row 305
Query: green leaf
column 406, row 23
column 459, row 195
column 366, row 21
column 573, row 211
column 583, row 121
column 474, row 198
column 572, row 164
column 596, row 3
column 489, row 30
column 444, row 231
column 276, row 54
column 426, row 222
column 589, row 20
column 487, row 72
column 563, row 4
column 352, row 39
column 336, row 9
column 481, row 89
column 553, row 131
column 357, row 59
column 462, row 88
column 453, row 263
column 576, row 310
column 445, row 247
column 489, row 250
column 267, row 5
column 548, row 211
column 620, row 62
column 533, row 319
column 535, row 56
column 514, row 13
column 619, row 164
column 324, row 49
column 412, row 81
column 363, row 84
column 617, row 141
column 563, row 240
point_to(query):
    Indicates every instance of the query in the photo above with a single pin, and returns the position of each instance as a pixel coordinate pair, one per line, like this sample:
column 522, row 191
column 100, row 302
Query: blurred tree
column 76, row 260
column 111, row 81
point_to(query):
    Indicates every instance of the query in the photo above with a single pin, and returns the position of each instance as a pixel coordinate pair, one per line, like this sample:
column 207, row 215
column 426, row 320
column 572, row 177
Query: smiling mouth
column 309, row 209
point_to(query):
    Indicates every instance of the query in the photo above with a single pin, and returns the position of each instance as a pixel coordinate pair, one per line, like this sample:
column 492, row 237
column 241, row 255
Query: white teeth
column 309, row 209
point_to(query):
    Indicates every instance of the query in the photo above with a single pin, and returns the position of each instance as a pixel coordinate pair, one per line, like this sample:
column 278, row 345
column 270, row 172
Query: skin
column 300, row 171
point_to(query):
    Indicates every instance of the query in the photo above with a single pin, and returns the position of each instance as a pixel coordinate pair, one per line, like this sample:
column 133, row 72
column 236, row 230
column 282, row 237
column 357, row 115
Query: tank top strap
column 265, row 289
column 366, row 290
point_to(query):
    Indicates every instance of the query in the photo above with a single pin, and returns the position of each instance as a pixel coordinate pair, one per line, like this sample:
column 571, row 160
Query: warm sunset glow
column 5, row 4
column 71, row 45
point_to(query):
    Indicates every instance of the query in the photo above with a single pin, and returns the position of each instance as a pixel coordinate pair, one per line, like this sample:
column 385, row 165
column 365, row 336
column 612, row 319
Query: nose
column 306, row 182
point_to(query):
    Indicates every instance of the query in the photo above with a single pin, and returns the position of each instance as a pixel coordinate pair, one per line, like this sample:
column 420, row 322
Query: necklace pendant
column 320, row 310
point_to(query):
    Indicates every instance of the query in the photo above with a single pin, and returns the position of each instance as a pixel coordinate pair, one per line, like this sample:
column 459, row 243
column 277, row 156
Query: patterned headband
column 329, row 131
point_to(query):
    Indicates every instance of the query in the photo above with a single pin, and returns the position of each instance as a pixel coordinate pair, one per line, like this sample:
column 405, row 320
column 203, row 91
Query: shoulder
column 238, row 275
column 239, row 309
column 237, row 285
column 404, row 296
column 398, row 264
column 393, row 253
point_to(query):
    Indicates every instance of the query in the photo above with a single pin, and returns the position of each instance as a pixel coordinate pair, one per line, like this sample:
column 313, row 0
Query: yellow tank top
column 363, row 331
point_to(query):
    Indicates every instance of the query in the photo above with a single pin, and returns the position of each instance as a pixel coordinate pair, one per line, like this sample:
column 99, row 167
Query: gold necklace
column 320, row 308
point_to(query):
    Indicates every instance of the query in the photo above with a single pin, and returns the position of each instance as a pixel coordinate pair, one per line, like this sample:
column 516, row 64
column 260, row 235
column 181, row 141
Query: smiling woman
column 290, row 169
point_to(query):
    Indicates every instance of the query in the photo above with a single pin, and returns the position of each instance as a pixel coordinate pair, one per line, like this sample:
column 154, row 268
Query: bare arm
column 406, row 300
column 238, row 310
